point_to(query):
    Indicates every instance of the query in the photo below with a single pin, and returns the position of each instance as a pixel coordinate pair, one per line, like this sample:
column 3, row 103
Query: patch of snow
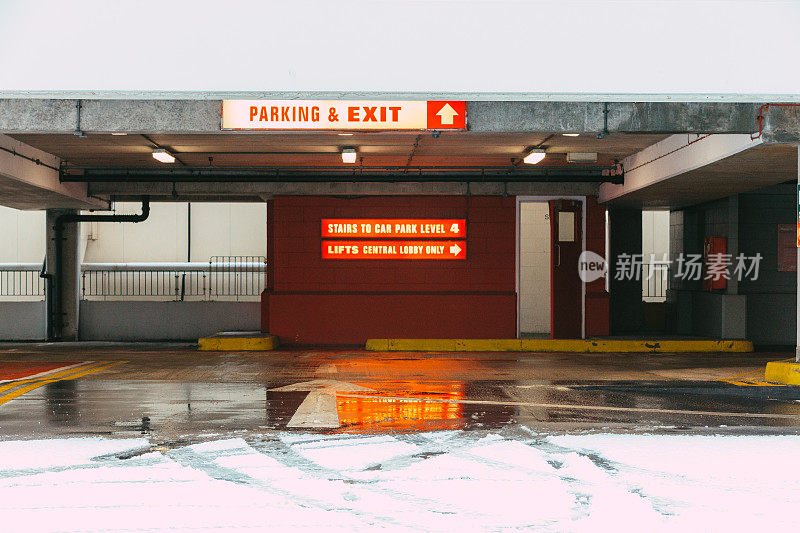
column 422, row 482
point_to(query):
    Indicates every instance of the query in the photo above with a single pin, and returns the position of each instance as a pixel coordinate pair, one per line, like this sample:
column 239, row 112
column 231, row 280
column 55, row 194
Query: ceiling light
column 344, row 134
column 582, row 157
column 570, row 134
column 163, row 156
column 348, row 155
column 119, row 134
column 535, row 155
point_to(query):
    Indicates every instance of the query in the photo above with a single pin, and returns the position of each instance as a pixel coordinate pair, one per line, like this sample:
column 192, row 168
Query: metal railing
column 21, row 281
column 222, row 278
column 655, row 282
column 232, row 276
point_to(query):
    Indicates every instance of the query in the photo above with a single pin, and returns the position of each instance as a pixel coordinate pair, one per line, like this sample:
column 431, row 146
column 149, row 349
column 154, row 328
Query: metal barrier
column 222, row 278
column 21, row 281
column 237, row 275
column 655, row 282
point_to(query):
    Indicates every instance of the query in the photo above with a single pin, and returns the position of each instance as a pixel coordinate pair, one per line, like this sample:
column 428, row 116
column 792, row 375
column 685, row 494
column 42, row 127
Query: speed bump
column 787, row 372
column 238, row 341
column 559, row 345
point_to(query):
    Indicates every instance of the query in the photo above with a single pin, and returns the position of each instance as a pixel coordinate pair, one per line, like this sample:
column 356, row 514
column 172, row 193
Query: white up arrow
column 455, row 249
column 447, row 113
column 318, row 410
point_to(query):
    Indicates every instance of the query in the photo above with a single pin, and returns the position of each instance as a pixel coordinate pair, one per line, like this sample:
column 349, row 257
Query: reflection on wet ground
column 173, row 392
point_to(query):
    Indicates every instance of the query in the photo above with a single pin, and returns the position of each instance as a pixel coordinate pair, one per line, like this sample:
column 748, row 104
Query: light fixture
column 119, row 134
column 344, row 134
column 348, row 155
column 570, row 134
column 582, row 157
column 534, row 156
column 163, row 156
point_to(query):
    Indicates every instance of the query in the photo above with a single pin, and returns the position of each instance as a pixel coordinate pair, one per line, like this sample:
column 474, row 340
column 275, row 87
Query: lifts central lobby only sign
column 343, row 115
column 394, row 238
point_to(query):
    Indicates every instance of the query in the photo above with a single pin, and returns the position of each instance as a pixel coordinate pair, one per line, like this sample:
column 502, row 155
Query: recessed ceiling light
column 348, row 155
column 534, row 156
column 163, row 156
column 119, row 134
column 570, row 134
column 344, row 134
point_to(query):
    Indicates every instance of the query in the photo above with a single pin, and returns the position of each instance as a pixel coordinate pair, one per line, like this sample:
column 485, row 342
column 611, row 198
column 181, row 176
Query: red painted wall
column 311, row 301
column 315, row 301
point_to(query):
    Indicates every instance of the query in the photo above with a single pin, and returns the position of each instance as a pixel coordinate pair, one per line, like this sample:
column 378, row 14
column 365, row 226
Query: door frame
column 520, row 200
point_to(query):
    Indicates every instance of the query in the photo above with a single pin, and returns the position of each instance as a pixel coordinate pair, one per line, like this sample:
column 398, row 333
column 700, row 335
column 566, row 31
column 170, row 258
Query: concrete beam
column 179, row 116
column 675, row 155
column 781, row 124
column 26, row 184
column 226, row 192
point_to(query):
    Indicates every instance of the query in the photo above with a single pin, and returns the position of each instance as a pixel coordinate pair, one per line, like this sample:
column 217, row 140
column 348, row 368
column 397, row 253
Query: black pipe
column 584, row 175
column 58, row 319
column 188, row 246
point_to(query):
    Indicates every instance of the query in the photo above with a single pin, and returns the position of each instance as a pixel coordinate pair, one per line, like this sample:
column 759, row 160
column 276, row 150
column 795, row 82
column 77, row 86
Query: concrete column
column 732, row 286
column 625, row 295
column 65, row 313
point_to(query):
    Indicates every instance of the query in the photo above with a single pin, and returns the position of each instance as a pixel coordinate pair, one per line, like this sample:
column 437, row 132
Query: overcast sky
column 631, row 47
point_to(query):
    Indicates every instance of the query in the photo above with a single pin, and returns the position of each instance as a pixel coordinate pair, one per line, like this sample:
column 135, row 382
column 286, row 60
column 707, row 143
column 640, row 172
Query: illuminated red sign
column 394, row 249
column 343, row 115
column 394, row 228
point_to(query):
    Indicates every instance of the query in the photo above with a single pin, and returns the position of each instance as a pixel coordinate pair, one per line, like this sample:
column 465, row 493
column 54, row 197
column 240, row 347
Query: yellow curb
column 558, row 345
column 783, row 372
column 226, row 342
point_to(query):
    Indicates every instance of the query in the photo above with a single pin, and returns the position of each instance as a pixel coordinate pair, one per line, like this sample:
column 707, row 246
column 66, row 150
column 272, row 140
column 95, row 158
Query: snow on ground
column 445, row 481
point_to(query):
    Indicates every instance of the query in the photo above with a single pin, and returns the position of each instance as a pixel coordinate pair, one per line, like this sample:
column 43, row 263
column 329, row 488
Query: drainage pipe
column 57, row 309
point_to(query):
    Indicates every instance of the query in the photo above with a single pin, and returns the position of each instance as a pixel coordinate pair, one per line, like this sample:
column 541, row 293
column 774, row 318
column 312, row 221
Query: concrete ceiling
column 751, row 169
column 323, row 149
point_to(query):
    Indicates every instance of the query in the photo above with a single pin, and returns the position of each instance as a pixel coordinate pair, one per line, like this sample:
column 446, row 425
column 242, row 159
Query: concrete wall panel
column 163, row 321
column 23, row 321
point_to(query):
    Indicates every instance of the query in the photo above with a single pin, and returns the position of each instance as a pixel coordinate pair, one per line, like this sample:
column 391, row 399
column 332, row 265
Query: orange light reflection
column 402, row 413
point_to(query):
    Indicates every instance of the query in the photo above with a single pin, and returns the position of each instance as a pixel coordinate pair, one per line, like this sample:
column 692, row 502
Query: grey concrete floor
column 172, row 392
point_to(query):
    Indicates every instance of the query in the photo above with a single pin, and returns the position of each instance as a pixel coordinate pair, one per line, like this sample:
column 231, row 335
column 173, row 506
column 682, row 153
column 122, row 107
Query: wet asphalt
column 173, row 393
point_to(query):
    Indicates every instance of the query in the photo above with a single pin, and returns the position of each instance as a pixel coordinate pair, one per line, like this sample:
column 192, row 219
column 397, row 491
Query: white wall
column 22, row 236
column 661, row 47
column 217, row 229
column 655, row 247
column 655, row 234
column 534, row 274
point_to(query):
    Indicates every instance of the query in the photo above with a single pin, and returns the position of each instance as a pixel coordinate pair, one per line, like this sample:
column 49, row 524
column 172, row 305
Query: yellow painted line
column 743, row 374
column 559, row 345
column 59, row 374
column 31, row 386
column 751, row 383
column 48, row 373
column 787, row 372
column 223, row 343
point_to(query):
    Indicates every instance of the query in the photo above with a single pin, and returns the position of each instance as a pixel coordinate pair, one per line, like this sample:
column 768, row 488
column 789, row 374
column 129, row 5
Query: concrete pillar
column 65, row 314
column 625, row 295
column 732, row 285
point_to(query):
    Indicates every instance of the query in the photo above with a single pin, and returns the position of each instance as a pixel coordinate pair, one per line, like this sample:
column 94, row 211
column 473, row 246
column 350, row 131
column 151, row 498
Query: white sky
column 634, row 47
